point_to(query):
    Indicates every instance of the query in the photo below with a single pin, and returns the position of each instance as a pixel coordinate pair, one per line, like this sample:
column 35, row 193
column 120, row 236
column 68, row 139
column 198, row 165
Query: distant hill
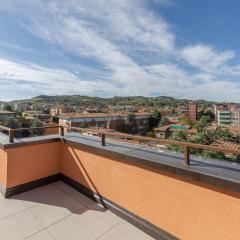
column 79, row 100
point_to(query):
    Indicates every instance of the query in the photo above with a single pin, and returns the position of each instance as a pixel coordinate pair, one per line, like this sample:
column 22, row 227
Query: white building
column 224, row 117
column 228, row 117
column 20, row 107
column 235, row 118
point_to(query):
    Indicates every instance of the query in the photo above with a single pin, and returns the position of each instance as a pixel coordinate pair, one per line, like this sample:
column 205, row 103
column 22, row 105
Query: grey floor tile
column 74, row 194
column 39, row 195
column 92, row 230
column 58, row 212
column 132, row 232
column 19, row 226
column 56, row 209
column 42, row 235
column 112, row 234
column 66, row 228
column 10, row 207
column 111, row 217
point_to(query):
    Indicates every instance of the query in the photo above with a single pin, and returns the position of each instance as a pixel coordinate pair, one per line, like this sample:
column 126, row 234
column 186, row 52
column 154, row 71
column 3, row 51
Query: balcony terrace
column 139, row 192
column 57, row 211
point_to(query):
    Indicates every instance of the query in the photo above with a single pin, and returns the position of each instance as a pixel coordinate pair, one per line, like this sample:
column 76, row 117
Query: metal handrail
column 103, row 134
column 186, row 145
column 11, row 131
column 5, row 128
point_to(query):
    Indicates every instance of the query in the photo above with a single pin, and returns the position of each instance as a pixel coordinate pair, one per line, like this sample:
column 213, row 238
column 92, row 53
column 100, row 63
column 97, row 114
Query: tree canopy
column 165, row 121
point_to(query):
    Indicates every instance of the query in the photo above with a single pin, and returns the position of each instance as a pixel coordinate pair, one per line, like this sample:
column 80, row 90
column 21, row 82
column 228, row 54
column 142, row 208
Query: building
column 113, row 121
column 192, row 111
column 58, row 110
column 219, row 108
column 232, row 106
column 165, row 131
column 224, row 117
column 228, row 117
column 182, row 108
column 235, row 118
column 162, row 132
column 4, row 115
column 43, row 117
column 20, row 107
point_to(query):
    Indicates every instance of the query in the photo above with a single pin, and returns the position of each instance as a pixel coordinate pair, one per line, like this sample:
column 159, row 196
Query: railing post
column 103, row 139
column 186, row 155
column 61, row 131
column 11, row 136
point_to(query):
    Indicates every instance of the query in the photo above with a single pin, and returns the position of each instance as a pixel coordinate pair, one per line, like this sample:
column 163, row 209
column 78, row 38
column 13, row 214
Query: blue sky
column 180, row 48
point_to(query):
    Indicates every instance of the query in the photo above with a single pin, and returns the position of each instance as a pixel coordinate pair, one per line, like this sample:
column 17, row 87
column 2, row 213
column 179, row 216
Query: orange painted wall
column 3, row 168
column 29, row 163
column 185, row 209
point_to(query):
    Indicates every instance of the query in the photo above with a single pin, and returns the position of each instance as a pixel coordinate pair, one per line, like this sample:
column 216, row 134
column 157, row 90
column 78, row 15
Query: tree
column 205, row 137
column 130, row 124
column 12, row 123
column 222, row 133
column 180, row 136
column 164, row 122
column 154, row 119
column 185, row 121
column 8, row 108
column 207, row 114
column 36, row 123
column 203, row 123
column 55, row 119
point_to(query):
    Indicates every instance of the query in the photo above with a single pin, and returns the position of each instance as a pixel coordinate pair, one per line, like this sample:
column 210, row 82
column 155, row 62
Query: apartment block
column 235, row 118
column 224, row 117
column 192, row 112
column 228, row 117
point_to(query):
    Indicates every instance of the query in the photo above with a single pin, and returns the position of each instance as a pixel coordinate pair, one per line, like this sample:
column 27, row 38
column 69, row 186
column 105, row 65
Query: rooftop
column 58, row 212
column 95, row 115
column 6, row 112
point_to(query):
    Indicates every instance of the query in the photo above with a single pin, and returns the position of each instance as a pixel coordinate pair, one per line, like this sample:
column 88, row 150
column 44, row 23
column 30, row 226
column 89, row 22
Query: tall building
column 192, row 111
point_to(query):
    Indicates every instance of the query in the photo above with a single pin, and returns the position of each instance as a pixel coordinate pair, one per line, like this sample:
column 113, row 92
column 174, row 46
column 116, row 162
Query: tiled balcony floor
column 58, row 212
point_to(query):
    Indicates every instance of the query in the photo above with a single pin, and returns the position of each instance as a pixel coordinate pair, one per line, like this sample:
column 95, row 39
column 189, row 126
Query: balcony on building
column 75, row 185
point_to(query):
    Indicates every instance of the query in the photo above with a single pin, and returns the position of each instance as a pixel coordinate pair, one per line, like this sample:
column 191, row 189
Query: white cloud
column 35, row 78
column 205, row 57
column 116, row 34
